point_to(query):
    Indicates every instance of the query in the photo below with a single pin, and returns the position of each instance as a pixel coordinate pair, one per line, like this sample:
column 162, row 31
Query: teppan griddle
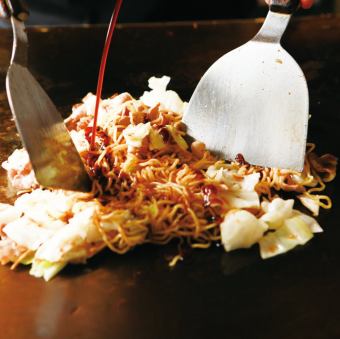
column 211, row 293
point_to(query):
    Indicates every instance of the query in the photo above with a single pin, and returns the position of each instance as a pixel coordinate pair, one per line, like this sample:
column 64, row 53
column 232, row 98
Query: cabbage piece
column 234, row 181
column 26, row 233
column 156, row 140
column 113, row 108
column 19, row 170
column 130, row 163
column 310, row 221
column 45, row 269
column 68, row 244
column 9, row 251
column 293, row 232
column 169, row 100
column 229, row 177
column 277, row 211
column 241, row 229
column 135, row 134
column 306, row 180
column 249, row 182
column 84, row 217
column 63, row 245
column 239, row 199
column 18, row 160
column 46, row 208
column 241, row 193
column 8, row 213
column 310, row 203
column 28, row 260
column 90, row 103
column 177, row 137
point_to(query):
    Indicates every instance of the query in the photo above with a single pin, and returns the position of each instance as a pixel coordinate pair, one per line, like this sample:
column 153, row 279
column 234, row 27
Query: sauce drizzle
column 106, row 49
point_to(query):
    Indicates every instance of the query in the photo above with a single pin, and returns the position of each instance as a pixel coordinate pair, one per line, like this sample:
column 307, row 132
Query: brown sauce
column 106, row 49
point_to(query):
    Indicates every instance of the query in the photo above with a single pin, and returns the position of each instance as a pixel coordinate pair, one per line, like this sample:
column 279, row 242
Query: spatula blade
column 253, row 101
column 54, row 158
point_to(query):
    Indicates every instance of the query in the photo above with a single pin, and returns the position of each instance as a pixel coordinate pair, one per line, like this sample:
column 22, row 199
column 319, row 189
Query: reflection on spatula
column 254, row 100
column 54, row 158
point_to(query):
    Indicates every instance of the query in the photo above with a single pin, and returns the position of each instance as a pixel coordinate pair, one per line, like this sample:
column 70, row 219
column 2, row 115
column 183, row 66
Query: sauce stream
column 106, row 49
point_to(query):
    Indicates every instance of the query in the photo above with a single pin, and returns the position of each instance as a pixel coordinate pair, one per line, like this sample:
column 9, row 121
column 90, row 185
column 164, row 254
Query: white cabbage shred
column 169, row 100
column 55, row 225
column 286, row 227
column 19, row 170
column 241, row 229
column 134, row 134
column 241, row 193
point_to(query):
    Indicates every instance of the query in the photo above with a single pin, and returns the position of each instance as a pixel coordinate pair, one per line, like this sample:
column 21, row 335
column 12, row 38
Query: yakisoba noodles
column 150, row 185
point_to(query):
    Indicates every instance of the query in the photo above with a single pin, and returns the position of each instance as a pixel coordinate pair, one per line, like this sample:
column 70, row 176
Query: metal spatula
column 254, row 100
column 54, row 158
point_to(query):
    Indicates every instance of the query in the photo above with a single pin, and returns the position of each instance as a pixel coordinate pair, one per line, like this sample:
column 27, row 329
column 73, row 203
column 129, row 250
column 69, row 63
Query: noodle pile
column 167, row 189
column 151, row 185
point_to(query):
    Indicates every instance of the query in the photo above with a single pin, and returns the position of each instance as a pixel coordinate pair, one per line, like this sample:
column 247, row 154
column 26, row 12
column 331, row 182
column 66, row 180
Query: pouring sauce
column 106, row 49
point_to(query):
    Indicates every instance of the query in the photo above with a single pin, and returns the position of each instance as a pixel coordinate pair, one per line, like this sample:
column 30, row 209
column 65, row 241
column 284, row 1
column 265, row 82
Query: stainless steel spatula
column 54, row 158
column 254, row 100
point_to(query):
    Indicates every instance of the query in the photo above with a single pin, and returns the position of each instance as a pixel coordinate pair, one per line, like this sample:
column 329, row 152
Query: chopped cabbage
column 19, row 158
column 305, row 180
column 241, row 229
column 177, row 137
column 8, row 213
column 68, row 242
column 310, row 203
column 310, row 221
column 156, row 140
column 277, row 211
column 45, row 269
column 26, row 233
column 130, row 163
column 46, row 208
column 169, row 100
column 90, row 103
column 241, row 193
column 135, row 134
column 293, row 232
column 113, row 107
column 240, row 199
column 28, row 260
column 19, row 170
column 64, row 245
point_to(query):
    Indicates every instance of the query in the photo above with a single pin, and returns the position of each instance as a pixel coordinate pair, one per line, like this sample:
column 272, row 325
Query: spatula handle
column 15, row 8
column 284, row 6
